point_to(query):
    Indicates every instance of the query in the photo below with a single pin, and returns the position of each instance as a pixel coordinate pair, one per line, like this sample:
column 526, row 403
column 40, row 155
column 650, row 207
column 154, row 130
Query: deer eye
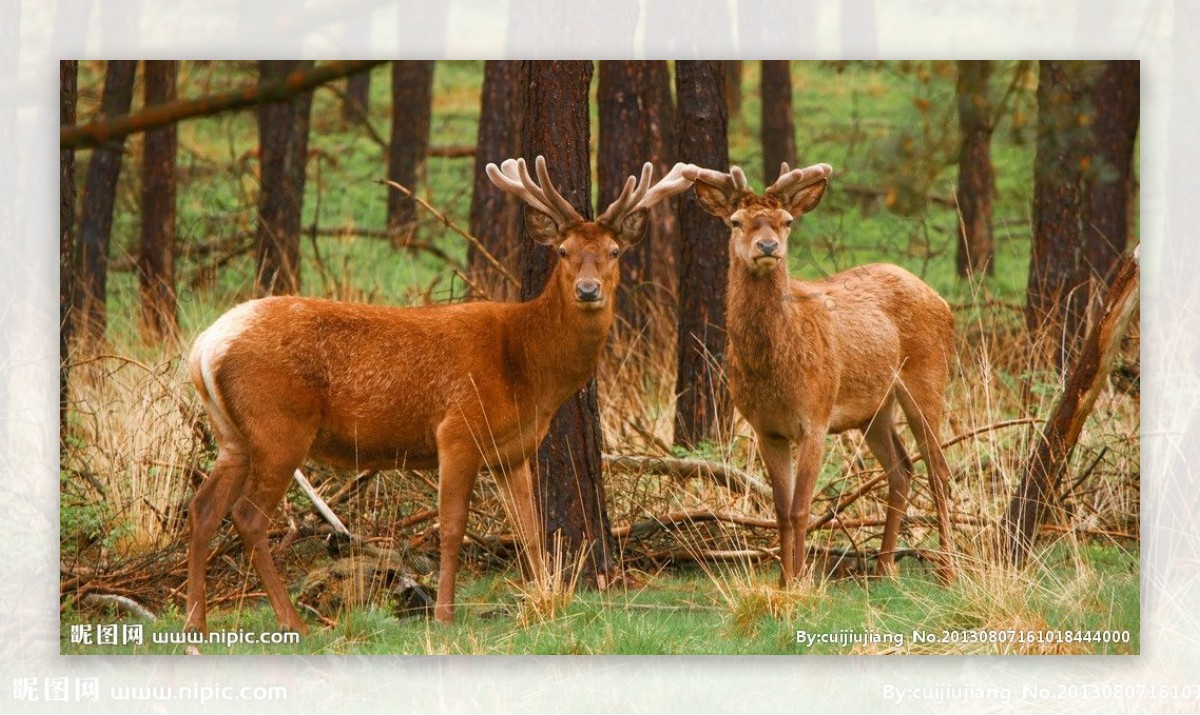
column 788, row 223
column 562, row 252
column 614, row 252
column 735, row 223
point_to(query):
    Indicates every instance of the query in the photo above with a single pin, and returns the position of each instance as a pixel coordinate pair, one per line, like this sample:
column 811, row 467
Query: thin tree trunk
column 976, row 181
column 283, row 157
column 1046, row 465
column 1057, row 288
column 778, row 133
column 495, row 217
column 658, row 109
column 569, row 467
column 733, row 87
column 702, row 405
column 157, row 257
column 68, row 83
column 99, row 197
column 623, row 147
column 358, row 98
column 412, row 96
column 1108, row 203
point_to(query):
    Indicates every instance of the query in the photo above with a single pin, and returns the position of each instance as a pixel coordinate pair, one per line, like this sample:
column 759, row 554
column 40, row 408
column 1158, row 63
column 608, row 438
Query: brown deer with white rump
column 807, row 359
column 456, row 387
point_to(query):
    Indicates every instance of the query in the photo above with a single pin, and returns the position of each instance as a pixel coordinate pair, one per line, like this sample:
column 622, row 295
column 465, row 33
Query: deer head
column 760, row 225
column 589, row 251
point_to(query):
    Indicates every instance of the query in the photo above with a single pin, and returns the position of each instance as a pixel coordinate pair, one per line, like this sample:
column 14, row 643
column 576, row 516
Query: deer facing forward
column 451, row 387
column 807, row 359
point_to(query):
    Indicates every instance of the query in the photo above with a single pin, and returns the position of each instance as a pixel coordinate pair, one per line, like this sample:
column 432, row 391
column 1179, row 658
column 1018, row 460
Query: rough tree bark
column 658, row 109
column 1108, row 203
column 976, row 181
column 99, row 196
column 412, row 96
column 495, row 217
column 1045, row 467
column 156, row 260
column 68, row 88
column 778, row 133
column 702, row 405
column 283, row 156
column 733, row 87
column 631, row 133
column 1057, row 292
column 569, row 467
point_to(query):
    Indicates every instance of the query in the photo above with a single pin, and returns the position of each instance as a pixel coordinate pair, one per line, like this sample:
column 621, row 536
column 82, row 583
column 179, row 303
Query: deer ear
column 806, row 199
column 542, row 229
column 714, row 200
column 632, row 228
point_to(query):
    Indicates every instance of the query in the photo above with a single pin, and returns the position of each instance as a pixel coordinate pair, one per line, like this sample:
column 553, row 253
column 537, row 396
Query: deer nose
column 768, row 247
column 588, row 291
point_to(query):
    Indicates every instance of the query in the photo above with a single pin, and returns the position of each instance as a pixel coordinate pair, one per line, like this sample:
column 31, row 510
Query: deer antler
column 792, row 180
column 512, row 176
column 733, row 184
column 638, row 196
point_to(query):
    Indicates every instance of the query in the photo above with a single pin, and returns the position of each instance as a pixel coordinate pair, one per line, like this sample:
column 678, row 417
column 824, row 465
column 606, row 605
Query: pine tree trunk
column 658, row 110
column 156, row 261
column 1108, row 204
column 99, row 197
column 702, row 405
column 623, row 147
column 412, row 97
column 976, row 181
column 283, row 157
column 358, row 98
column 495, row 217
column 778, row 133
column 1057, row 284
column 569, row 485
column 68, row 83
column 733, row 87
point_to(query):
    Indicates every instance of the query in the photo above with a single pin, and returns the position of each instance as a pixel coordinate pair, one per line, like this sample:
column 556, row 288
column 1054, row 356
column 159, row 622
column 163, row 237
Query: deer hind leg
column 458, row 466
column 516, row 491
column 922, row 405
column 777, row 455
column 884, row 443
column 210, row 505
column 252, row 516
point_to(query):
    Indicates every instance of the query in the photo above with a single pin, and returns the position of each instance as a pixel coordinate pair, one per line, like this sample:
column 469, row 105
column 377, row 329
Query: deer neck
column 760, row 311
column 566, row 342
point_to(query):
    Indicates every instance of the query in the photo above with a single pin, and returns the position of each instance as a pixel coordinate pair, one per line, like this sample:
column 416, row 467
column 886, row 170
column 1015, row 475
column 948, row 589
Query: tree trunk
column 1108, row 203
column 412, row 97
column 702, row 406
column 496, row 215
column 358, row 98
column 623, row 147
column 976, row 182
column 778, row 134
column 68, row 83
column 1044, row 470
column 283, row 156
column 156, row 261
column 658, row 109
column 569, row 485
column 733, row 87
column 1057, row 284
column 99, row 197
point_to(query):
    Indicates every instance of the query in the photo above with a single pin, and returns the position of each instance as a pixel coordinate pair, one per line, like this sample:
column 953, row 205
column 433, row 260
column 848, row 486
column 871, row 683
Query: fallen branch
column 121, row 603
column 726, row 475
column 160, row 115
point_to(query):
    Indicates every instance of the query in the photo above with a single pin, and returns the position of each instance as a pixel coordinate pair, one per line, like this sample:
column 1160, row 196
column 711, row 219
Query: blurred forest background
column 188, row 187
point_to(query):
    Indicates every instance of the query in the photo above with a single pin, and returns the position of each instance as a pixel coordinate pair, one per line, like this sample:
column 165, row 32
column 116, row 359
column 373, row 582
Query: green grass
column 687, row 613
